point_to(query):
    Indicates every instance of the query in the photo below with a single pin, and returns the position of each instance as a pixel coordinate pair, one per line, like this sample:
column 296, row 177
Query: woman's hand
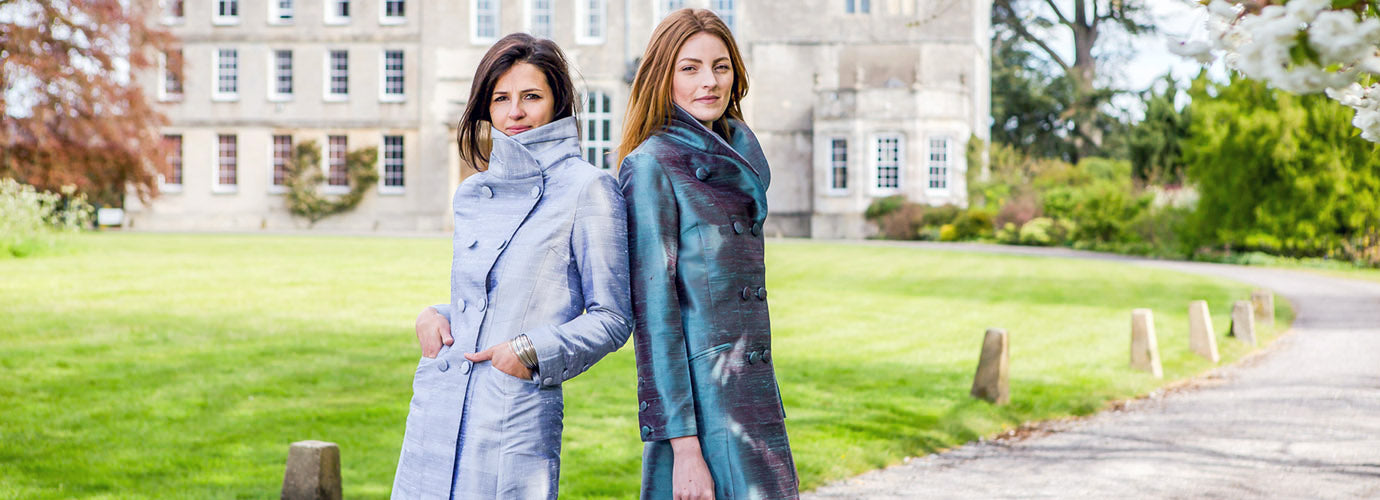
column 503, row 358
column 432, row 331
column 690, row 479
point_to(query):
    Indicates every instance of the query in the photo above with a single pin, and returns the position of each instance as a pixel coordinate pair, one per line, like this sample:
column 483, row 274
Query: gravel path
column 1300, row 420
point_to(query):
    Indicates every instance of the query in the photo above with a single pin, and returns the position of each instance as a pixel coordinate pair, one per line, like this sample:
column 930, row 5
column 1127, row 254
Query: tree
column 1085, row 23
column 304, row 176
column 1028, row 102
column 1155, row 144
column 1280, row 173
column 80, row 117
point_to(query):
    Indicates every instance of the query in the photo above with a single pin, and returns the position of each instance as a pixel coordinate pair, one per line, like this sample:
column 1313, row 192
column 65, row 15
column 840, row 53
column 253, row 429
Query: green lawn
column 182, row 366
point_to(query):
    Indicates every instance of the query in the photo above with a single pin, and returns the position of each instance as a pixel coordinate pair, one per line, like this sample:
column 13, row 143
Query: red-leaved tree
column 72, row 110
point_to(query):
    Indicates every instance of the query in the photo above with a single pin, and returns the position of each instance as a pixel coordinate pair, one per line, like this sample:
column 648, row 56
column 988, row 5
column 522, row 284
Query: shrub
column 971, row 224
column 1018, row 210
column 882, row 206
column 34, row 220
column 948, row 232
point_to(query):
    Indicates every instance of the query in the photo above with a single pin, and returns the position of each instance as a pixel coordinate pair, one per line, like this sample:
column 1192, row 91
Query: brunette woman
column 539, row 288
column 696, row 182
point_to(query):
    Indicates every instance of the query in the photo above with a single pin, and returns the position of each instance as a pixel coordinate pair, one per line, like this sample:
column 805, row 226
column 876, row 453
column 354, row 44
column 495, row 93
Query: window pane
column 174, row 147
column 336, row 174
column 227, row 165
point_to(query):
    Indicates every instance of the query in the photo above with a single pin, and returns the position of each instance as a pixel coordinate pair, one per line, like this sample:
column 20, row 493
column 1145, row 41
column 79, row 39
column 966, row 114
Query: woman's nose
column 515, row 111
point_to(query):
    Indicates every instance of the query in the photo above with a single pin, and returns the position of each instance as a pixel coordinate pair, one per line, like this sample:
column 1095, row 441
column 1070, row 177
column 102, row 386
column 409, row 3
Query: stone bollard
column 313, row 471
column 1145, row 352
column 1263, row 303
column 1243, row 321
column 990, row 381
column 1200, row 336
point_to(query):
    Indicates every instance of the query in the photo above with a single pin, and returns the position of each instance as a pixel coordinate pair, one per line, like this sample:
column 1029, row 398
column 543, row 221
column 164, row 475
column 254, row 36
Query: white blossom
column 1197, row 49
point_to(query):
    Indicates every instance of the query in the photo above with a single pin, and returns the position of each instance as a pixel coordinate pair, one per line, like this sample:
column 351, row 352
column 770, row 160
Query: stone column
column 1263, row 303
column 1243, row 321
column 990, row 381
column 313, row 471
column 1200, row 336
column 1145, row 352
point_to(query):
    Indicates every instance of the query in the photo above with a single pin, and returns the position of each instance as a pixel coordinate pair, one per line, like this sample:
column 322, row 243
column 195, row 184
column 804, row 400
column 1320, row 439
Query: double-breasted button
column 443, row 365
column 461, row 305
column 752, row 357
column 737, row 227
column 486, row 191
column 482, row 305
column 642, row 406
column 747, row 292
column 702, row 174
column 761, row 293
column 646, row 431
column 757, row 229
column 465, row 366
column 548, row 381
column 766, row 355
column 536, row 191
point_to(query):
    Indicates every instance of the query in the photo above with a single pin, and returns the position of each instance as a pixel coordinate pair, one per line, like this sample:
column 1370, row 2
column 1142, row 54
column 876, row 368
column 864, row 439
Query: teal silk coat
column 696, row 204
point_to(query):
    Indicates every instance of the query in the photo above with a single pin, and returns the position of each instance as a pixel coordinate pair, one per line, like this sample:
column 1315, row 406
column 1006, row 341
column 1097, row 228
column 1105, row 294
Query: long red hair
column 649, row 107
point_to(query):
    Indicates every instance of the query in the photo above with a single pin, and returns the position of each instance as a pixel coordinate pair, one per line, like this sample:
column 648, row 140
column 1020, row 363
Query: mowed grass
column 182, row 366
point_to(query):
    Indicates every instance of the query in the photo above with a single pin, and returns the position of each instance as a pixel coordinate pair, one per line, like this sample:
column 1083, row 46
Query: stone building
column 851, row 99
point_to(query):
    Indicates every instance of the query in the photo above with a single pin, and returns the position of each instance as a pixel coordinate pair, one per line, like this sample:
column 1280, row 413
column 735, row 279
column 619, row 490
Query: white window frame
column 530, row 20
column 383, row 186
column 216, row 93
column 168, row 187
column 331, row 18
column 930, row 164
column 595, row 121
column 326, row 186
column 387, row 20
column 327, row 93
column 661, row 9
column 163, row 76
column 216, row 186
column 225, row 20
column 583, row 18
column 876, row 167
column 384, row 96
column 857, row 6
column 831, row 173
column 276, row 13
column 475, row 37
column 729, row 15
column 274, row 95
column 273, row 157
column 168, row 18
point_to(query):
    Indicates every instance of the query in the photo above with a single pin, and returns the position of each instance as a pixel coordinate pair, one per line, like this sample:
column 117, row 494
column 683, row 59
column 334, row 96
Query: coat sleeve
column 599, row 247
column 665, row 397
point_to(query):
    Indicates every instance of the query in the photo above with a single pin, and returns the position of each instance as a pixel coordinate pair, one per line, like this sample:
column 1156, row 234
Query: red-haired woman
column 695, row 181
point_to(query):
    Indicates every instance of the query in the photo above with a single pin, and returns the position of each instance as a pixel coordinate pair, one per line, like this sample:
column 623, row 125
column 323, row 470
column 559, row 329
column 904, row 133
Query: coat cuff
column 551, row 362
column 652, row 432
column 444, row 310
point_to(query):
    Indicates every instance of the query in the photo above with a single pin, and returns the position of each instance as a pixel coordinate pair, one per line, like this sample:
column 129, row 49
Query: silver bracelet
column 525, row 351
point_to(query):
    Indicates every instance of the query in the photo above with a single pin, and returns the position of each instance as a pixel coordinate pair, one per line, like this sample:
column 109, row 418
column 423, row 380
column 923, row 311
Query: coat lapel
column 744, row 153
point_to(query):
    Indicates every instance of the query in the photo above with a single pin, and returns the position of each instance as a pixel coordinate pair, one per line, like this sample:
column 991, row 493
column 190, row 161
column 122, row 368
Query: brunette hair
column 649, row 106
column 473, row 134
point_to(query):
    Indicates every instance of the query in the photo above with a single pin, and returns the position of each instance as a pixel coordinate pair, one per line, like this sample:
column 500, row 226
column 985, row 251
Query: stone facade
column 851, row 99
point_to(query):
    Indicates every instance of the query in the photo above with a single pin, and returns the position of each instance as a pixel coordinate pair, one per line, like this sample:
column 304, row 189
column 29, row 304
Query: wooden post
column 1243, row 321
column 1145, row 352
column 1263, row 303
column 1201, row 338
column 990, row 381
column 313, row 471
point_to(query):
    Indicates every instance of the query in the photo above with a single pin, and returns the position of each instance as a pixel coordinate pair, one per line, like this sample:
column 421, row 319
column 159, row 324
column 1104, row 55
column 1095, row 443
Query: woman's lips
column 518, row 129
column 709, row 99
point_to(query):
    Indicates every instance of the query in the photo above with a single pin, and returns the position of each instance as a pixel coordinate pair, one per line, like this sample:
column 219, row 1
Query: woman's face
column 521, row 100
column 702, row 77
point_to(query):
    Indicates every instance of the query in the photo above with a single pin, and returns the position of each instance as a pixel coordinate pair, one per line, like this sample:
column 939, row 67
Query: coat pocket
column 712, row 350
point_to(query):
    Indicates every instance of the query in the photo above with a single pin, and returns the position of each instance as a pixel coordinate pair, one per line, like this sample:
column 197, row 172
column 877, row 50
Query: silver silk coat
column 540, row 249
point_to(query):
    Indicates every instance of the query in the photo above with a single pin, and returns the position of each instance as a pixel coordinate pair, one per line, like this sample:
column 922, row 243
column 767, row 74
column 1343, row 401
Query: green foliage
column 304, row 176
column 176, row 379
column 883, row 206
column 1155, row 144
column 34, row 221
column 1280, row 173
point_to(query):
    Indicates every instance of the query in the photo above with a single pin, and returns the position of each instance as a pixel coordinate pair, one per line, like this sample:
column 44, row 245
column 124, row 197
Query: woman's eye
column 501, row 98
column 532, row 97
column 721, row 67
column 687, row 68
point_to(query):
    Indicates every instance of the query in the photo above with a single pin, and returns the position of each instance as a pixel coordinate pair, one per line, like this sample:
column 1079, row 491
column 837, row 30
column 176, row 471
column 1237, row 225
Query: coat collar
column 741, row 146
column 532, row 152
